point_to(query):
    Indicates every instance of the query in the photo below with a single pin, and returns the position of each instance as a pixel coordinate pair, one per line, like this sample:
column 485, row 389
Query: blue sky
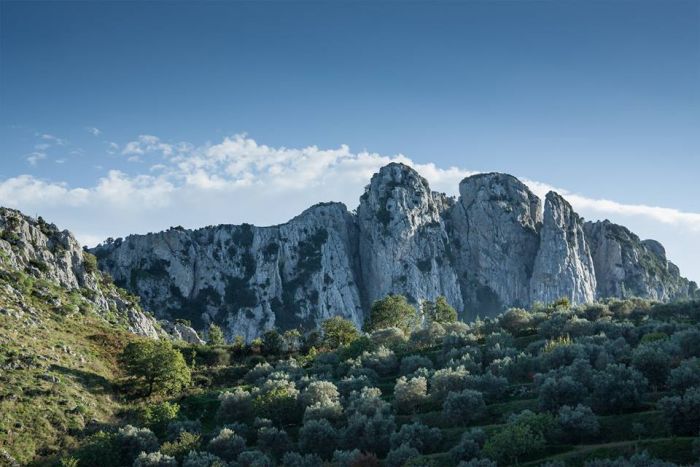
column 598, row 99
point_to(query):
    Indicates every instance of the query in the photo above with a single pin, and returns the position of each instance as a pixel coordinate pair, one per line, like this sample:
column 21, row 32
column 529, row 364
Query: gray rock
column 490, row 249
column 563, row 266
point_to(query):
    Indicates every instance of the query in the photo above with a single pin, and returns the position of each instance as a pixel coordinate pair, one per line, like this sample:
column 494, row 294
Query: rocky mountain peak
column 494, row 247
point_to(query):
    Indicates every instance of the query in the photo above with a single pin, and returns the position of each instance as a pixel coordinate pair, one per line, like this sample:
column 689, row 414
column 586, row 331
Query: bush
column 555, row 393
column 464, row 407
column 418, row 436
column 686, row 376
column 410, row 393
column 683, row 413
column 273, row 441
column 355, row 458
column 439, row 311
column 513, row 443
column 216, row 335
column 235, row 406
column 318, row 437
column 254, row 458
column 398, row 456
column 469, row 445
column 132, row 441
column 277, row 400
column 392, row 311
column 653, row 362
column 448, row 380
column 618, row 389
column 369, row 433
column 382, row 360
column 294, row 459
column 411, row 363
column 227, row 445
column 577, row 424
column 183, row 444
column 158, row 416
column 154, row 459
column 321, row 393
column 202, row 459
column 338, row 332
column 331, row 412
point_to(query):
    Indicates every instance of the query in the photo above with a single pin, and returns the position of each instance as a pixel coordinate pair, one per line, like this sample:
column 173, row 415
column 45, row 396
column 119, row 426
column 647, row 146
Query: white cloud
column 93, row 131
column 53, row 139
column 238, row 180
column 34, row 157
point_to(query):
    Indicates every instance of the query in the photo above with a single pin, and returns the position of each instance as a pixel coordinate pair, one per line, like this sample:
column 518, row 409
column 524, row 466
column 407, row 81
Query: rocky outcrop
column 494, row 228
column 404, row 247
column 491, row 248
column 182, row 332
column 248, row 279
column 563, row 266
column 625, row 266
column 44, row 252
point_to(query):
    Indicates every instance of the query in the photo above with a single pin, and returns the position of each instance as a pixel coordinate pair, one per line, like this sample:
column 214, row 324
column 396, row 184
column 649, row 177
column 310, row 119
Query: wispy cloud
column 53, row 139
column 93, row 131
column 34, row 157
column 238, row 179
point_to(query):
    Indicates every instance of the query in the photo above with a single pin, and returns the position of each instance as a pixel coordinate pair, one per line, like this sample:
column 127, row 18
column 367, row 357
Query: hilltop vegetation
column 557, row 385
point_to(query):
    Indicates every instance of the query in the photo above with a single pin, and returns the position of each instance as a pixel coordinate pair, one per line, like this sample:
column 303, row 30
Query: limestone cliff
column 491, row 248
column 42, row 252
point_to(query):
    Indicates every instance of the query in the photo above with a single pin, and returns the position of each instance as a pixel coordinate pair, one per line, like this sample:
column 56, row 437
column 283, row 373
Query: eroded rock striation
column 493, row 247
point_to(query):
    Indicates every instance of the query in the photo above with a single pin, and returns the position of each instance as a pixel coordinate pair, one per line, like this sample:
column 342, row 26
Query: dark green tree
column 216, row 335
column 155, row 366
column 392, row 311
column 338, row 332
column 439, row 311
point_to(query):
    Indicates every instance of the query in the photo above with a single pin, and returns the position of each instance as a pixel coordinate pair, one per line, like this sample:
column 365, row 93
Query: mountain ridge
column 495, row 246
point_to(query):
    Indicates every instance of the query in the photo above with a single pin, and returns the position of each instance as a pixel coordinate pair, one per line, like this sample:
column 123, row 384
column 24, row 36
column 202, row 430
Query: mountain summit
column 494, row 247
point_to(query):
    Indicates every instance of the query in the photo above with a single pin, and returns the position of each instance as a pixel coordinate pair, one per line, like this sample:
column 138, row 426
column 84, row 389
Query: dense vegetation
column 614, row 383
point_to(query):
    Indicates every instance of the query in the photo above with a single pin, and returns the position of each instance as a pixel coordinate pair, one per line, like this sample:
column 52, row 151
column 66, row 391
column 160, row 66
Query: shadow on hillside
column 90, row 381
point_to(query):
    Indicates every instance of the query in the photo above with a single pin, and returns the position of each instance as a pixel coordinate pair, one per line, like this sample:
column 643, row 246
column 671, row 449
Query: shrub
column 493, row 387
column 515, row 320
column 512, row 443
column 464, row 407
column 254, row 458
column 653, row 362
column 273, row 441
column 369, row 433
column 409, row 393
column 277, row 400
column 184, row 443
column 318, row 437
column 331, row 412
column 578, row 423
column 132, row 441
column 154, row 459
column 557, row 392
column 202, row 459
column 368, row 402
column 321, row 393
column 439, row 311
column 272, row 342
column 227, row 445
column 683, row 413
column 398, row 456
column 355, row 458
column 338, row 332
column 684, row 377
column 235, row 406
column 216, row 335
column 688, row 341
column 469, row 445
column 411, row 363
column 418, row 436
column 478, row 463
column 260, row 371
column 382, row 360
column 177, row 427
column 157, row 416
column 294, row 459
column 618, row 389
column 448, row 380
column 392, row 311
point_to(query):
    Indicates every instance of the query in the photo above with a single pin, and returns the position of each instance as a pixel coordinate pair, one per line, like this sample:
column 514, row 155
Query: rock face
column 563, row 266
column 625, row 266
column 44, row 252
column 491, row 248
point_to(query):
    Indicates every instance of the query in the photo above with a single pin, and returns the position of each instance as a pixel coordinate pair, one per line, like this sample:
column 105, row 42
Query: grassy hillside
column 57, row 366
